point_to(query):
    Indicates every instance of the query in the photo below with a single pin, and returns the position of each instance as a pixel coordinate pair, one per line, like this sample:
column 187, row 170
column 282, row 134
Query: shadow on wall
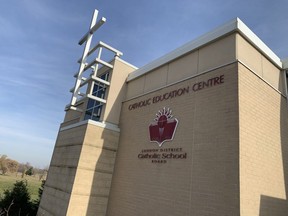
column 100, row 188
column 62, row 171
column 270, row 205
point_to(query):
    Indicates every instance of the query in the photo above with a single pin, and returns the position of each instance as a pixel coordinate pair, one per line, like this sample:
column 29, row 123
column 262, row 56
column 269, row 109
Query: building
column 199, row 131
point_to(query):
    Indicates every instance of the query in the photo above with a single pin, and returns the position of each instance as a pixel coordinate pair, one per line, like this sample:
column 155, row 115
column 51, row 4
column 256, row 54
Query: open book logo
column 163, row 127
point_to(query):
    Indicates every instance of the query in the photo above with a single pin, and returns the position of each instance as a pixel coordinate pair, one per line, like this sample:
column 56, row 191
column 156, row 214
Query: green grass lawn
column 7, row 182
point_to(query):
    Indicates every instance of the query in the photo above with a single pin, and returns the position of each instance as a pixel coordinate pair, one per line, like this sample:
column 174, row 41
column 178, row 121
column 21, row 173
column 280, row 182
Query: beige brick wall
column 257, row 62
column 116, row 92
column 218, row 53
column 234, row 135
column 72, row 116
column 263, row 147
column 210, row 56
column 80, row 173
column 62, row 172
column 93, row 177
column 207, row 182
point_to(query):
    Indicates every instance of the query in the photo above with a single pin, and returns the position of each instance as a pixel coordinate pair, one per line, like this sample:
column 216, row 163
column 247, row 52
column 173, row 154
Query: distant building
column 199, row 131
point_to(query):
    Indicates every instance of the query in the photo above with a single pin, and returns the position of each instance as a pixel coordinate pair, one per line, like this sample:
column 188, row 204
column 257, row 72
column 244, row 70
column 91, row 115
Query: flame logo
column 164, row 126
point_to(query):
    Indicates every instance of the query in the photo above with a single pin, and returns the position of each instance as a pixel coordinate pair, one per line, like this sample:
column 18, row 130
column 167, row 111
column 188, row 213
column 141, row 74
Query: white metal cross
column 88, row 39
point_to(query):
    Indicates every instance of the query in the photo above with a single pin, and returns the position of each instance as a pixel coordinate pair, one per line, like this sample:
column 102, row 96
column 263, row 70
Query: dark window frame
column 94, row 107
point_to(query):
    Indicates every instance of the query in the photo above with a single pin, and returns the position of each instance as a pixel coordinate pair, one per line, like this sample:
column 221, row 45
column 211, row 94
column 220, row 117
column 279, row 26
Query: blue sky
column 39, row 50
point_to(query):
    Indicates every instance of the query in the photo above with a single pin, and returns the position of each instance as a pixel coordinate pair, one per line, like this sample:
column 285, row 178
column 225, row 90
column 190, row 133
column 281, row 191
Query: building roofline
column 235, row 25
column 258, row 43
column 125, row 62
column 285, row 63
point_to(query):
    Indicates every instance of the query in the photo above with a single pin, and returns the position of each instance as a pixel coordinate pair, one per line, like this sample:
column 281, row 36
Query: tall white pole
column 83, row 60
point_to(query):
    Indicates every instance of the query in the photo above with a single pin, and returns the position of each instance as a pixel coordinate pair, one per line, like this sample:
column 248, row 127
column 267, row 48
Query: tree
column 6, row 211
column 21, row 168
column 17, row 202
column 40, row 191
column 12, row 165
column 7, row 164
column 3, row 164
column 42, row 174
column 29, row 171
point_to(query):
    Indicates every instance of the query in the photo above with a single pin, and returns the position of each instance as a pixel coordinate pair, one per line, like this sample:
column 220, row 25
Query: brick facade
column 228, row 155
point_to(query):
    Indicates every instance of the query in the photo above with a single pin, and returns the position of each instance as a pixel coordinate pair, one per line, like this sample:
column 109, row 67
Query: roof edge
column 234, row 25
column 127, row 63
column 258, row 43
column 285, row 63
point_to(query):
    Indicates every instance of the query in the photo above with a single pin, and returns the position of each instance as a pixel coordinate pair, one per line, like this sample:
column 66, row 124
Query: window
column 286, row 82
column 286, row 78
column 94, row 108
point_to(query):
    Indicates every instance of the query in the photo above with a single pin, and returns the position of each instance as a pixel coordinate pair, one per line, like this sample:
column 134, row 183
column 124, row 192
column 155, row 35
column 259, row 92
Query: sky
column 39, row 52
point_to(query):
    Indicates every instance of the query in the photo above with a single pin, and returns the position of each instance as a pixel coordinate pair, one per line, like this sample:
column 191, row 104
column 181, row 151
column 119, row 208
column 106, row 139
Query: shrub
column 17, row 202
column 29, row 171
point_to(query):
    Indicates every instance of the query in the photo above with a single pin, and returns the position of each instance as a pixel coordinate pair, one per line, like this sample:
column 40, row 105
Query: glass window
column 90, row 103
column 105, row 76
column 99, row 90
column 286, row 81
column 88, row 114
column 93, row 112
column 97, row 113
column 94, row 107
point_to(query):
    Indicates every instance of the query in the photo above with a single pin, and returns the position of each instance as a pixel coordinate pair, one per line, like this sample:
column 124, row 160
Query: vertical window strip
column 94, row 108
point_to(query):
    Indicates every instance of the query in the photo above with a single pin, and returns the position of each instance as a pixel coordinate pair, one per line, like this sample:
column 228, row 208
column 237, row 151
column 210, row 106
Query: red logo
column 164, row 126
